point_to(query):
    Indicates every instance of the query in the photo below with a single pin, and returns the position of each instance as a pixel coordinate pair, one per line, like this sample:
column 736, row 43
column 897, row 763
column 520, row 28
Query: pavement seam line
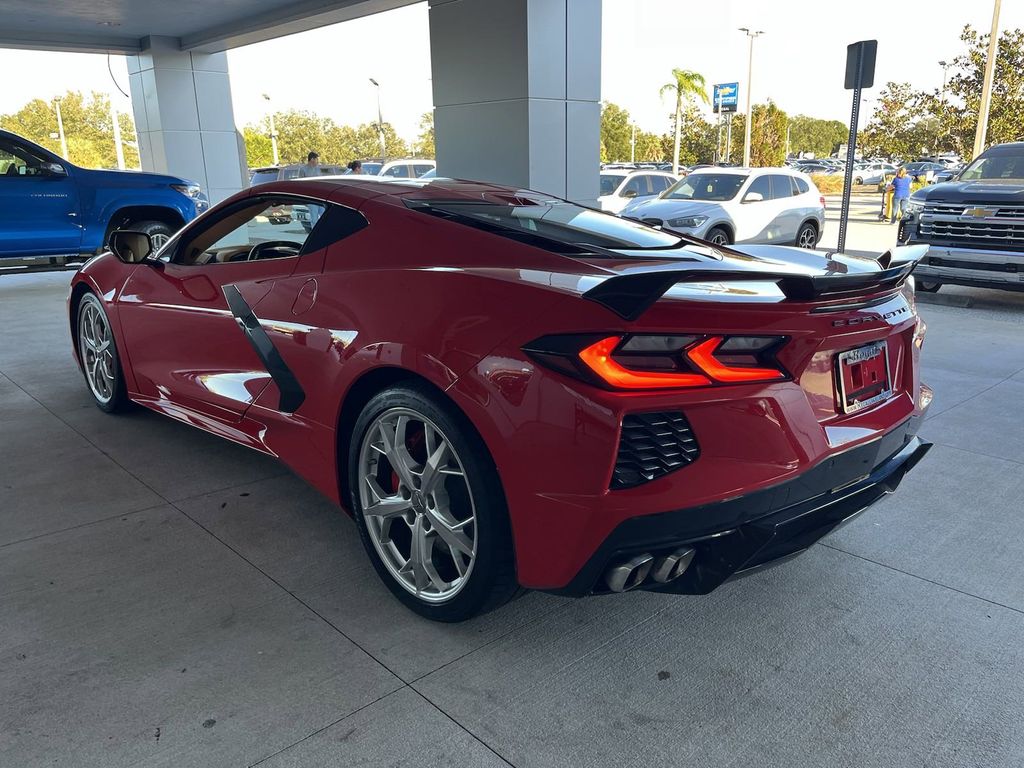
column 161, row 505
column 295, row 597
column 324, row 728
column 834, row 548
column 461, row 727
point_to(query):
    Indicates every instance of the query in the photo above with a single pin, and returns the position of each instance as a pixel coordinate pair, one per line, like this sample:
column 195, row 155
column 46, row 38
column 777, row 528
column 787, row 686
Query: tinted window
column 635, row 187
column 610, row 182
column 419, row 170
column 781, row 186
column 372, row 169
column 262, row 177
column 801, row 185
column 290, row 173
column 397, row 172
column 559, row 226
column 706, row 186
column 659, row 183
column 762, row 186
column 15, row 160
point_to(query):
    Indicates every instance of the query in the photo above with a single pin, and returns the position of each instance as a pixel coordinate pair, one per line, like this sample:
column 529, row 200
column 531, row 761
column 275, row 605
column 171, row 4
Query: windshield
column 706, row 186
column 557, row 223
column 1005, row 162
column 262, row 177
column 610, row 182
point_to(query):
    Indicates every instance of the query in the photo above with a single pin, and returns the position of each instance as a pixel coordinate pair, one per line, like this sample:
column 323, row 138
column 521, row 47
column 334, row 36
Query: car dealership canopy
column 523, row 75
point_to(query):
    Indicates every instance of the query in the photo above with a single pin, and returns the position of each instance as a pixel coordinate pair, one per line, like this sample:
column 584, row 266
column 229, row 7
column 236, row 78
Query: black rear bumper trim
column 753, row 531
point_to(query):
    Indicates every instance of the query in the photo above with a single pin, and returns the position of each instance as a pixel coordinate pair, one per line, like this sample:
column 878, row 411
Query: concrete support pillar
column 517, row 89
column 183, row 116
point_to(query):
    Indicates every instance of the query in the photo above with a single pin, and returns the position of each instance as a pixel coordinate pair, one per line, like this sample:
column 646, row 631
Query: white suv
column 620, row 187
column 739, row 205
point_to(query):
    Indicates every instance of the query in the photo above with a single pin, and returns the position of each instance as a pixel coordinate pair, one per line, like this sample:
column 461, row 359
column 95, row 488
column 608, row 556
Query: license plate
column 863, row 376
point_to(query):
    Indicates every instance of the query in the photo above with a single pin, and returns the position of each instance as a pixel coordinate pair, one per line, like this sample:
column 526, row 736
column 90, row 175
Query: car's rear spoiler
column 630, row 295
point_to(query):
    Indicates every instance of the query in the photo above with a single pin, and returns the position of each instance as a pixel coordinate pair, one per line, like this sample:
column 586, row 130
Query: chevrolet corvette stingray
column 507, row 390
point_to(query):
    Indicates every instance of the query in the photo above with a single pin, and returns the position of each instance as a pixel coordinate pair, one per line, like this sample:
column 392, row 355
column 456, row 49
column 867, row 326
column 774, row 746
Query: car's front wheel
column 717, row 236
column 97, row 352
column 429, row 505
column 926, row 286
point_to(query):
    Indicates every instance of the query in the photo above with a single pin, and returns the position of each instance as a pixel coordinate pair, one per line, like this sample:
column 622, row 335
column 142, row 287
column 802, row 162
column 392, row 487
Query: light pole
column 60, row 130
column 752, row 34
column 945, row 70
column 273, row 132
column 380, row 121
column 632, row 145
column 986, row 89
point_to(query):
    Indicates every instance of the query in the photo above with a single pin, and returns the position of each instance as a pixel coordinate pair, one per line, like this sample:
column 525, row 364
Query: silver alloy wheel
column 806, row 238
column 718, row 238
column 95, row 347
column 158, row 241
column 417, row 504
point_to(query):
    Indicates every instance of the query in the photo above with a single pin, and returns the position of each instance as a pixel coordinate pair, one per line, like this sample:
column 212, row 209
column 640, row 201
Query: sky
column 799, row 62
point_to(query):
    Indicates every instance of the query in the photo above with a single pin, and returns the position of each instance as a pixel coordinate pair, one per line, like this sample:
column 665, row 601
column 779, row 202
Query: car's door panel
column 39, row 211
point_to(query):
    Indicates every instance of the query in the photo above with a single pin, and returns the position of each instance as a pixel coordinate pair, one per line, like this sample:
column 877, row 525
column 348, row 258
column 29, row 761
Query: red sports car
column 507, row 390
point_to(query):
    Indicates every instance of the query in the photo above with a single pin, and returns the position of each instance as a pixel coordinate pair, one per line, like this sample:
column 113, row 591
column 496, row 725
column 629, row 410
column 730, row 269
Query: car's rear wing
column 630, row 295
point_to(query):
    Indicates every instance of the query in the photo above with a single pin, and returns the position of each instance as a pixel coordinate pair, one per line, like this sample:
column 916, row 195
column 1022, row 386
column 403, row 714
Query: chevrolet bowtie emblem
column 980, row 213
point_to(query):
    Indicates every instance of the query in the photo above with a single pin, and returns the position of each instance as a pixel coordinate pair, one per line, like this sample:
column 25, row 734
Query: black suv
column 973, row 225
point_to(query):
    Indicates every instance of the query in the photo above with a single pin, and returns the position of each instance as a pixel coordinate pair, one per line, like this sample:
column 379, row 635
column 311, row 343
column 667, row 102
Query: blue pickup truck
column 51, row 208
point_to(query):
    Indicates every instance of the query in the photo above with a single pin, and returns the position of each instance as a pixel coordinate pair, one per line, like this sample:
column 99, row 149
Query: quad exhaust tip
column 635, row 571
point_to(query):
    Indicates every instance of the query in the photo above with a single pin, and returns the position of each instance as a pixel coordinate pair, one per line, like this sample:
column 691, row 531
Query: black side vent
column 652, row 445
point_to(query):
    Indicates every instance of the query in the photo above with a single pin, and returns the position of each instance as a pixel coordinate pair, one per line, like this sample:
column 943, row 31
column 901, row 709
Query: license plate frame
column 872, row 359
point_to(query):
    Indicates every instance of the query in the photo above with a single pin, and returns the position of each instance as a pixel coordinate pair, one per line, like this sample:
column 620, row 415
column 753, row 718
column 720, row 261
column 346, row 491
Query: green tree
column 819, row 137
column 258, row 148
column 685, row 86
column 892, row 132
column 616, row 132
column 697, row 138
column 88, row 129
column 424, row 146
column 767, row 136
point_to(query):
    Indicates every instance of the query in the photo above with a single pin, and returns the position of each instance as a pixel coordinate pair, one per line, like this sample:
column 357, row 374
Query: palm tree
column 685, row 84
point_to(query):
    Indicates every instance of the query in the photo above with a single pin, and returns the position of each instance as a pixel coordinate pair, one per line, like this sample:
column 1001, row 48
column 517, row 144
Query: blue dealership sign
column 727, row 96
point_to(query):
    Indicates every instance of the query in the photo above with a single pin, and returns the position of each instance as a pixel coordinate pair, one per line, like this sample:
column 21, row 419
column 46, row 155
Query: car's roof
column 353, row 188
column 633, row 171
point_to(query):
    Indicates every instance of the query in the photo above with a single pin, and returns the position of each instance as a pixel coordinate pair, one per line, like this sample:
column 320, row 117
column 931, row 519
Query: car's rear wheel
column 429, row 505
column 717, row 236
column 926, row 286
column 98, row 354
column 858, row 181
column 807, row 235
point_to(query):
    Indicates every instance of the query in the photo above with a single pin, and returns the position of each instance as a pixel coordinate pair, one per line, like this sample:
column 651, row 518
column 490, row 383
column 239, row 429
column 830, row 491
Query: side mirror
column 629, row 193
column 753, row 197
column 130, row 247
column 53, row 169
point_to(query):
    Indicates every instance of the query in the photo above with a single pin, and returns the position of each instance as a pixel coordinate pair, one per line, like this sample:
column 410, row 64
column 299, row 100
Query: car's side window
column 761, row 186
column 659, row 184
column 801, row 185
column 16, row 161
column 421, row 169
column 635, row 187
column 262, row 229
column 781, row 187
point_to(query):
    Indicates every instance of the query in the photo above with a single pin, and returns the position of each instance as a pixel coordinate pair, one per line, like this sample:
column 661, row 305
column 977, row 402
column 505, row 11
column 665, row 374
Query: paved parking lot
column 168, row 599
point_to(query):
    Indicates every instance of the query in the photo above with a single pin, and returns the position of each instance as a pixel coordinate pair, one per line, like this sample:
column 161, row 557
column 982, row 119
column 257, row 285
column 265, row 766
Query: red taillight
column 598, row 357
column 671, row 362
column 703, row 355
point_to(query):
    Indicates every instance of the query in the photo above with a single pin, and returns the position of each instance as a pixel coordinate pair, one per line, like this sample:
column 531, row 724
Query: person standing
column 900, row 194
column 312, row 166
column 355, row 167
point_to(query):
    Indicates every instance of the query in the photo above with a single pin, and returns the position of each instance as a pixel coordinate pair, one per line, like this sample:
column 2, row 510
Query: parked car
column 739, row 205
column 397, row 169
column 621, row 187
column 52, row 208
column 973, row 226
column 537, row 408
column 924, row 171
column 291, row 171
column 947, row 175
column 825, row 170
column 873, row 173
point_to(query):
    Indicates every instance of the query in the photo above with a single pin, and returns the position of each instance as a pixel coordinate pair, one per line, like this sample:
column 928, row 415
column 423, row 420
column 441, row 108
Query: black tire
column 925, row 286
column 158, row 231
column 492, row 580
column 859, row 181
column 718, row 236
column 117, row 400
column 807, row 236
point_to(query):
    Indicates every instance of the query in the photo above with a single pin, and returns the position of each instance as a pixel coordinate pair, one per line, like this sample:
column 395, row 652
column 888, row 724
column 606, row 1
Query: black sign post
column 860, row 73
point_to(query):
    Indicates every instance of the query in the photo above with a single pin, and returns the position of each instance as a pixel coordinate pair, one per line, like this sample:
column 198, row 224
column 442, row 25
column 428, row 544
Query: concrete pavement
column 169, row 599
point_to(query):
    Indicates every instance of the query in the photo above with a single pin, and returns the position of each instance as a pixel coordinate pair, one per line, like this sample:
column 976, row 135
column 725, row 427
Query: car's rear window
column 563, row 227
